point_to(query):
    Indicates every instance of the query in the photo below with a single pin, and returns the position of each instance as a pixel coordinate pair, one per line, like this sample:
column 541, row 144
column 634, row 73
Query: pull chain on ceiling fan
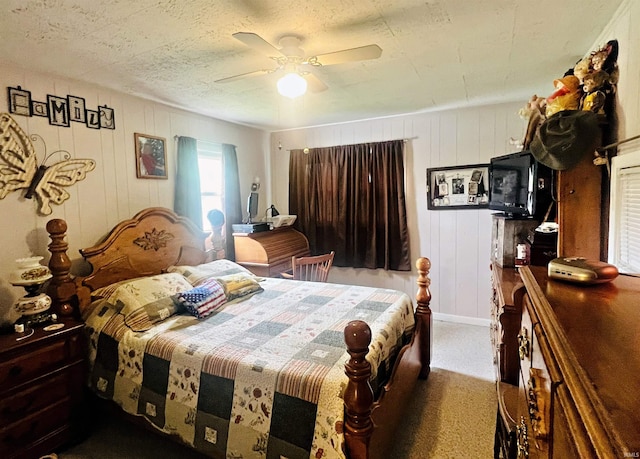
column 290, row 58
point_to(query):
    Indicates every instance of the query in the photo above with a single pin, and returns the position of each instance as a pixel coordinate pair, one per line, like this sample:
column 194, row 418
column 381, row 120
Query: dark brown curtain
column 350, row 199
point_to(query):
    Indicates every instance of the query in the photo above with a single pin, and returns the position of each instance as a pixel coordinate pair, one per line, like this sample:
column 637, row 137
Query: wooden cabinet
column 579, row 368
column 268, row 253
column 41, row 390
column 581, row 231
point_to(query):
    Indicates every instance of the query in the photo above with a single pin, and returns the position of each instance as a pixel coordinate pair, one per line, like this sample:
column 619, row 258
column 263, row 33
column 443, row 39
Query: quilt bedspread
column 261, row 377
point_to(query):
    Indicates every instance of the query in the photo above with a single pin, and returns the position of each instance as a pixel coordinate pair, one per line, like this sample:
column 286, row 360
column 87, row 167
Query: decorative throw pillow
column 239, row 285
column 216, row 268
column 107, row 290
column 203, row 299
column 147, row 300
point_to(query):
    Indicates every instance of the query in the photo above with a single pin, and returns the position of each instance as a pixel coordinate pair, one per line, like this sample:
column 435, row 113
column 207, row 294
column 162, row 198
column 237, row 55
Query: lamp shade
column 29, row 271
column 292, row 85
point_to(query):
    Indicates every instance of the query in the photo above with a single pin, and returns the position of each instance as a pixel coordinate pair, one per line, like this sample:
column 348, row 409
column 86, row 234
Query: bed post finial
column 358, row 395
column 61, row 287
column 423, row 314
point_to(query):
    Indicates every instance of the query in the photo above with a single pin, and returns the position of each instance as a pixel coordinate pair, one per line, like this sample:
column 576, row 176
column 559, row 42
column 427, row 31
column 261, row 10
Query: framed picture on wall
column 458, row 187
column 151, row 156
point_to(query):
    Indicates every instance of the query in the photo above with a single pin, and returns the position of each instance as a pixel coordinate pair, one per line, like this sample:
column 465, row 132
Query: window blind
column 629, row 223
column 624, row 221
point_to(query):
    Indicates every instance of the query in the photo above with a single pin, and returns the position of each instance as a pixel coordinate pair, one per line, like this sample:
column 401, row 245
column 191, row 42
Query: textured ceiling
column 436, row 54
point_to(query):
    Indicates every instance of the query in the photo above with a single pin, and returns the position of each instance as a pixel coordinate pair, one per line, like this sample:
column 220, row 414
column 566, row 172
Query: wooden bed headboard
column 147, row 244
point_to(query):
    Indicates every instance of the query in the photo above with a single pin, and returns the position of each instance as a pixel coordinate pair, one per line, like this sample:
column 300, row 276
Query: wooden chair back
column 315, row 269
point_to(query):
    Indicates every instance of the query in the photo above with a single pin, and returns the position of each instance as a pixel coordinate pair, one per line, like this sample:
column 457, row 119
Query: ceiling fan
column 291, row 59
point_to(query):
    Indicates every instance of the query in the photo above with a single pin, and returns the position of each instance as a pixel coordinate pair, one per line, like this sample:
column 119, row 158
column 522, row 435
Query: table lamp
column 31, row 275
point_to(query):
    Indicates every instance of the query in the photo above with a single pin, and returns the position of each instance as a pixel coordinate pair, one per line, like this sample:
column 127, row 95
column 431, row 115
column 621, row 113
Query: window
column 624, row 237
column 211, row 169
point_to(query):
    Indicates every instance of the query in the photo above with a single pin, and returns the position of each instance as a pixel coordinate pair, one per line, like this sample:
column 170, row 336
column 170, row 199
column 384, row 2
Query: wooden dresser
column 41, row 391
column 268, row 253
column 579, row 353
column 505, row 322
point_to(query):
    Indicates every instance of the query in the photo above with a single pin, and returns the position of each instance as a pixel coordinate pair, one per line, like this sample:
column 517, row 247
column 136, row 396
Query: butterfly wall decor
column 19, row 168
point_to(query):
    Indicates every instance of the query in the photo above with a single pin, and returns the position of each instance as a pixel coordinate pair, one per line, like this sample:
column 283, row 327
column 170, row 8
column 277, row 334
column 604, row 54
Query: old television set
column 520, row 186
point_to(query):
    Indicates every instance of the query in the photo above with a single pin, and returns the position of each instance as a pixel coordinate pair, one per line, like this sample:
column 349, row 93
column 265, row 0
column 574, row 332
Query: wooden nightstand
column 41, row 390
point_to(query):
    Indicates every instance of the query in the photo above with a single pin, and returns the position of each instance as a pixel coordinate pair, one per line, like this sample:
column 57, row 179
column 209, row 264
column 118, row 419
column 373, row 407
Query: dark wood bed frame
column 157, row 238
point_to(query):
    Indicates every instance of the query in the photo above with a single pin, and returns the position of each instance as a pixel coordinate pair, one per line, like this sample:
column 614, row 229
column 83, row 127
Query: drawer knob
column 523, row 344
column 537, row 403
column 12, row 410
column 15, row 371
column 522, row 440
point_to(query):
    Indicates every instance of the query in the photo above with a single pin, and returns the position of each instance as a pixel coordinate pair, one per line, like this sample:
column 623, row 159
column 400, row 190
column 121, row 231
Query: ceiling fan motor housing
column 290, row 46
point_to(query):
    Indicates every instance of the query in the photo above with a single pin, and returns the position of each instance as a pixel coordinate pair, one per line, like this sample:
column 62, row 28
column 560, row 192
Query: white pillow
column 216, row 268
column 145, row 301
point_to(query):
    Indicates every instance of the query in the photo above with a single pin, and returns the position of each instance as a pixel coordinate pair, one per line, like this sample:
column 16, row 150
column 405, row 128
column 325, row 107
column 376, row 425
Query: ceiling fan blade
column 314, row 84
column 258, row 43
column 244, row 75
column 347, row 55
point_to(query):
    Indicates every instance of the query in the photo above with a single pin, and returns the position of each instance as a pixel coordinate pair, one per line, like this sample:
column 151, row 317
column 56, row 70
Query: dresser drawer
column 538, row 384
column 39, row 358
column 38, row 396
column 35, row 428
column 505, row 323
column 26, row 368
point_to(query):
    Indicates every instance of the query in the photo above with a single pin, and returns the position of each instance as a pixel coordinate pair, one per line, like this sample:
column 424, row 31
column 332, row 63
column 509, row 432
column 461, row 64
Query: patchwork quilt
column 262, row 376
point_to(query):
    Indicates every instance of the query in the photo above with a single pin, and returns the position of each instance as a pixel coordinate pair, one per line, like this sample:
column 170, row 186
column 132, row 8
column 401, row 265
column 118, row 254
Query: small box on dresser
column 41, row 390
column 506, row 233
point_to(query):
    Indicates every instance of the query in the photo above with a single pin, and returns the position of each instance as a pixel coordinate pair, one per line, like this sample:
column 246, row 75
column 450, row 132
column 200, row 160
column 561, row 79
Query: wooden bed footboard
column 369, row 424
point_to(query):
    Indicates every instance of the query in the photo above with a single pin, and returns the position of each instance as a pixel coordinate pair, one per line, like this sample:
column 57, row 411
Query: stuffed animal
column 534, row 111
column 535, row 104
column 566, row 96
column 594, row 97
column 606, row 59
column 582, row 68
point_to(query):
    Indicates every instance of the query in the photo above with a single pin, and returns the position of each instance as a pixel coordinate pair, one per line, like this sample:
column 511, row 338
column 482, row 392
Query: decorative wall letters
column 60, row 110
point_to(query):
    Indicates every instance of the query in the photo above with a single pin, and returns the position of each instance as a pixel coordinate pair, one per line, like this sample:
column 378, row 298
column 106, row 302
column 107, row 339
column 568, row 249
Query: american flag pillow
column 203, row 299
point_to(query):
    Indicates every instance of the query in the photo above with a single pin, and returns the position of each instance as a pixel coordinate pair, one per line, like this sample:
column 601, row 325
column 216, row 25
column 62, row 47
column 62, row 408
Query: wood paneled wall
column 456, row 241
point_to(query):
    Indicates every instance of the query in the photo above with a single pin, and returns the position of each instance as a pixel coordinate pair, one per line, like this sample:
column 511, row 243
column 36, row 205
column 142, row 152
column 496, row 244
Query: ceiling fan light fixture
column 292, row 85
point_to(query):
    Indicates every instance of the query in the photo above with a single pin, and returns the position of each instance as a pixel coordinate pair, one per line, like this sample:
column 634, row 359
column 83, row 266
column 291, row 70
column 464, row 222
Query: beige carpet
column 456, row 406
column 454, row 411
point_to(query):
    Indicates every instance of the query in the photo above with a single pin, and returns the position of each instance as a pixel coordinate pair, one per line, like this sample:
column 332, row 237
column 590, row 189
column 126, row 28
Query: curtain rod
column 405, row 140
column 613, row 145
column 210, row 142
